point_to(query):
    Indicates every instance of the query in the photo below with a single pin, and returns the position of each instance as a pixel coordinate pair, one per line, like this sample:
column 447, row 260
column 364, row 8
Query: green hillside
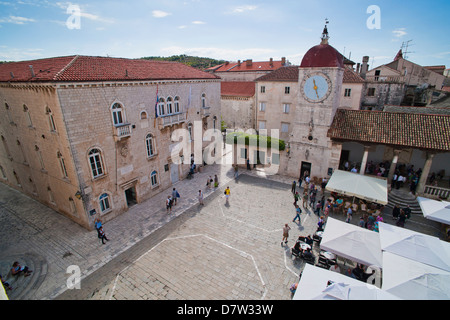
column 196, row 62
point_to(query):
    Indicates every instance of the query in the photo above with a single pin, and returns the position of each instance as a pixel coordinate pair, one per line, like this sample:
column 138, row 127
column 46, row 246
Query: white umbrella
column 413, row 280
column 364, row 187
column 415, row 246
column 352, row 242
column 435, row 210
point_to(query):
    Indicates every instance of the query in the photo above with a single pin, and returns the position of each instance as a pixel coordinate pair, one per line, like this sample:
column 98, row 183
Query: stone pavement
column 216, row 251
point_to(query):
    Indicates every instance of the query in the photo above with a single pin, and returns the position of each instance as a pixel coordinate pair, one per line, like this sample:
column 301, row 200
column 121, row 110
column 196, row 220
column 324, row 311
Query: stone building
column 92, row 135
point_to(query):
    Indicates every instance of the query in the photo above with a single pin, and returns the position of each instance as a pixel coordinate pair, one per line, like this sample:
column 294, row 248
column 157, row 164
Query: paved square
column 223, row 251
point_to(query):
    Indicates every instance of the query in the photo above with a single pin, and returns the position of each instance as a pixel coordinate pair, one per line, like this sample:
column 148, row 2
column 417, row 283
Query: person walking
column 175, row 196
column 286, row 229
column 296, row 198
column 200, row 197
column 169, row 204
column 227, row 194
column 297, row 215
column 216, row 181
column 349, row 215
column 294, row 185
column 102, row 235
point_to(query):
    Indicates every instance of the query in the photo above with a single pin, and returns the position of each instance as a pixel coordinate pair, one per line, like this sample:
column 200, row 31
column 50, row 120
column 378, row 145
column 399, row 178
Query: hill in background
column 196, row 62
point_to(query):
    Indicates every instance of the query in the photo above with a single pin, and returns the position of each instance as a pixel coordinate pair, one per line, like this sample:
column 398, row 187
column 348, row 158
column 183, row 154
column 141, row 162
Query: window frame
column 116, row 113
column 104, row 203
column 96, row 155
column 154, row 179
column 150, row 145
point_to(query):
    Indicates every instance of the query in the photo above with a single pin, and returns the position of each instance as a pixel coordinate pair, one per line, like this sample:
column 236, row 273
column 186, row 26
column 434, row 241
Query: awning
column 435, row 210
column 361, row 186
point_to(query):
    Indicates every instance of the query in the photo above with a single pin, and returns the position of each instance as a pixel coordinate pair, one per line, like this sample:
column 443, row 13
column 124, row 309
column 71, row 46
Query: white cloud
column 198, row 22
column 242, row 9
column 160, row 14
column 400, row 32
column 16, row 20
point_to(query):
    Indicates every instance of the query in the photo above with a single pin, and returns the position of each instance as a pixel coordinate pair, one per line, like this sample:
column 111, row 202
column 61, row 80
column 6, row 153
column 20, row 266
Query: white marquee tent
column 314, row 285
column 415, row 246
column 435, row 210
column 413, row 280
column 352, row 242
column 361, row 186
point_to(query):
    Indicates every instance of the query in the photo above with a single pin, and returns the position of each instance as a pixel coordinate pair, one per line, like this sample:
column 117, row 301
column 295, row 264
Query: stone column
column 426, row 170
column 393, row 166
column 362, row 170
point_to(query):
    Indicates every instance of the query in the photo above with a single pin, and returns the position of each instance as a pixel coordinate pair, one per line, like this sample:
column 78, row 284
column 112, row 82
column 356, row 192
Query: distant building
column 247, row 70
column 92, row 135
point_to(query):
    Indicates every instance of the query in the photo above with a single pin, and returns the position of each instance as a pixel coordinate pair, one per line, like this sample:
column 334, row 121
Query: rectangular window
column 104, row 203
column 286, row 107
column 287, row 90
column 275, row 158
column 263, row 89
column 262, row 106
column 371, row 92
column 96, row 165
column 284, row 127
column 262, row 125
column 347, row 92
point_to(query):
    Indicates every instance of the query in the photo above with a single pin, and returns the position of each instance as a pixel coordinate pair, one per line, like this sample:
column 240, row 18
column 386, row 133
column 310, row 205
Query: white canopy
column 415, row 246
column 435, row 210
column 364, row 187
column 314, row 285
column 352, row 242
column 412, row 280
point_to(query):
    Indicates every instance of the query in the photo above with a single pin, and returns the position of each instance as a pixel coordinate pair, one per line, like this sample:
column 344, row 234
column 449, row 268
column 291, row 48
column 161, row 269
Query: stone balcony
column 206, row 112
column 122, row 131
column 170, row 120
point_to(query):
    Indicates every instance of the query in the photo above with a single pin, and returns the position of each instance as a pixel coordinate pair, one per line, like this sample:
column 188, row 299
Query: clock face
column 316, row 87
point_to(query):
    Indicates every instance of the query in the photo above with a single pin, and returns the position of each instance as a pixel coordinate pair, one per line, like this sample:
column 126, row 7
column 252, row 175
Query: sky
column 225, row 29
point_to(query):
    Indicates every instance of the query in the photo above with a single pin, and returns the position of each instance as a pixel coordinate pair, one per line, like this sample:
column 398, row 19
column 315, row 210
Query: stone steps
column 403, row 198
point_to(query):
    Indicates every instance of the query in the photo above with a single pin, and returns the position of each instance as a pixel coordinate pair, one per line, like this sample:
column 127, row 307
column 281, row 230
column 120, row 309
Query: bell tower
column 320, row 81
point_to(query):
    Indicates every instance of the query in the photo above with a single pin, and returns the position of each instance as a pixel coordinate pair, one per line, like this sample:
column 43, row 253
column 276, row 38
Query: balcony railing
column 395, row 79
column 170, row 120
column 436, row 192
column 122, row 131
column 206, row 112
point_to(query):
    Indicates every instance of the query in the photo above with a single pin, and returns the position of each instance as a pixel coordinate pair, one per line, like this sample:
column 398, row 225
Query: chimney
column 249, row 63
column 12, row 75
column 364, row 67
column 283, row 61
column 32, row 71
column 239, row 63
column 358, row 65
column 271, row 62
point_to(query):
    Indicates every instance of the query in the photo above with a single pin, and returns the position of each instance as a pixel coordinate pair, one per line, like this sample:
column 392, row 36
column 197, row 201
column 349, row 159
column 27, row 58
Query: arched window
column 154, row 178
column 177, row 105
column 150, row 144
column 161, row 107
column 104, row 203
column 27, row 115
column 169, row 106
column 143, row 115
column 117, row 114
column 95, row 160
column 203, row 100
column 51, row 120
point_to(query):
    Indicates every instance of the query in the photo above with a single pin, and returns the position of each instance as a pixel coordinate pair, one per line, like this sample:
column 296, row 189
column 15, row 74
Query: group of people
column 172, row 200
column 401, row 214
column 408, row 176
column 16, row 270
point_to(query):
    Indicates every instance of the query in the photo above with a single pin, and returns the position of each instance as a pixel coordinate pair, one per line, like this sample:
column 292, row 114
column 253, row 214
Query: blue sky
column 225, row 29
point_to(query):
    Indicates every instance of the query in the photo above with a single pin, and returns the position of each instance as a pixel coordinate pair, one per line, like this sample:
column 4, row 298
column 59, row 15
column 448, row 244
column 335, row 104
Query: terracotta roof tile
column 87, row 68
column 242, row 66
column 238, row 88
column 422, row 131
column 351, row 76
column 289, row 74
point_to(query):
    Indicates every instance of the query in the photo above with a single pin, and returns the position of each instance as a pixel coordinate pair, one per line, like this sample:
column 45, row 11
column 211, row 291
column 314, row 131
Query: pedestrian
column 305, row 199
column 248, row 164
column 296, row 197
column 318, row 207
column 297, row 214
column 169, row 204
column 294, row 185
column 401, row 219
column 175, row 196
column 5, row 284
column 102, row 235
column 98, row 223
column 236, row 171
column 395, row 212
column 227, row 194
column 285, row 234
column 320, row 224
column 349, row 215
column 216, row 181
column 361, row 222
column 312, row 199
column 200, row 197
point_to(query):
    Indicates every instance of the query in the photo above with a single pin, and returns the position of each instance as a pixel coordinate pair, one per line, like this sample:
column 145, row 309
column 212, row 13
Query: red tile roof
column 87, row 68
column 238, row 88
column 421, row 131
column 243, row 66
column 287, row 74
column 351, row 76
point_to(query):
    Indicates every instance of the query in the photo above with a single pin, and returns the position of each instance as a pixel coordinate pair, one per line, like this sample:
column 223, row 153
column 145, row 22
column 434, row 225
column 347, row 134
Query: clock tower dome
column 320, row 81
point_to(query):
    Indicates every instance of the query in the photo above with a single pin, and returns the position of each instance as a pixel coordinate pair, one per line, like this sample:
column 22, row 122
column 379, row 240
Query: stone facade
column 61, row 146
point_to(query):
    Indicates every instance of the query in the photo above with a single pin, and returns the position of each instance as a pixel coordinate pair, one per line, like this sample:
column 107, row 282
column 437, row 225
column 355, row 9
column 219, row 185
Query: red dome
column 322, row 55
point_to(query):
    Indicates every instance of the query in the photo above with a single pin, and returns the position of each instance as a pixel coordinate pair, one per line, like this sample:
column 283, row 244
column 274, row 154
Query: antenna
column 405, row 46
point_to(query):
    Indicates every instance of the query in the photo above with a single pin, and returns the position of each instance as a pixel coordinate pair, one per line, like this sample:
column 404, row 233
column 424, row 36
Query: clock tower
column 320, row 81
